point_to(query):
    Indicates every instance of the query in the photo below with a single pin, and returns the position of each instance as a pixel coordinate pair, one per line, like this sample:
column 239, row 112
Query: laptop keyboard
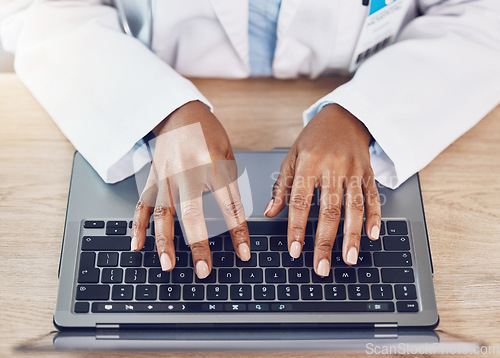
column 111, row 278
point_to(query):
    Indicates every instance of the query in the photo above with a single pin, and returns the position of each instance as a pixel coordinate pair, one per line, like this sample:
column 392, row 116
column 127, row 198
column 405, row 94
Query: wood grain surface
column 461, row 190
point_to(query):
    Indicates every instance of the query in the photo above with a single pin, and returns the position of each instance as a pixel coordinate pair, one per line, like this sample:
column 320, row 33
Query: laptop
column 104, row 285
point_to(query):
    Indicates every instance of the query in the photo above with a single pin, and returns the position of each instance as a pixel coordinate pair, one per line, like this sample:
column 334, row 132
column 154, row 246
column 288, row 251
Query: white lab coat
column 106, row 90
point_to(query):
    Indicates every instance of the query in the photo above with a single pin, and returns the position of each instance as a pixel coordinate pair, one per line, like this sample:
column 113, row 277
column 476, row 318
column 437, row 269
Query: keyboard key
column 122, row 292
column 181, row 259
column 337, row 244
column 370, row 245
column 263, row 292
column 215, row 243
column 232, row 307
column 149, row 244
column 116, row 224
column 170, row 292
column 269, row 259
column 308, row 244
column 135, row 275
column 217, row 292
column 145, row 292
column 182, row 275
column 397, row 275
column 275, row 275
column 212, row 307
column 88, row 275
column 182, row 245
column 405, row 292
column 211, row 278
column 396, row 243
column 151, row 259
column 87, row 260
column 277, row 307
column 241, row 292
column 382, row 228
column 309, row 259
column 345, row 275
column 116, row 230
column 289, row 261
column 288, row 292
column 358, row 292
column 251, row 275
column 223, row 259
column 382, row 292
column 92, row 292
column 368, row 275
column 107, row 259
column 337, row 260
column 364, row 259
column 156, row 275
column 298, row 275
column 311, row 292
column 131, row 259
column 93, row 224
column 112, row 275
column 258, row 243
column 397, row 228
column 250, row 263
column 278, row 243
column 104, row 243
column 321, row 279
column 193, row 292
column 392, row 259
column 82, row 307
column 228, row 243
column 229, row 275
column 335, row 292
column 258, row 307
column 407, row 306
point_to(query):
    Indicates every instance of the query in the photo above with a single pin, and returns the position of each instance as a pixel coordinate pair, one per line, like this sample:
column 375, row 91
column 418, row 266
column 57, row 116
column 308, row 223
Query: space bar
column 177, row 307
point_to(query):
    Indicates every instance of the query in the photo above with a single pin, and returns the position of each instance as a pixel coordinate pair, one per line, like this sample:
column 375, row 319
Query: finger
column 164, row 234
column 354, row 207
column 231, row 206
column 299, row 206
column 140, row 224
column 193, row 221
column 328, row 221
column 282, row 186
column 372, row 207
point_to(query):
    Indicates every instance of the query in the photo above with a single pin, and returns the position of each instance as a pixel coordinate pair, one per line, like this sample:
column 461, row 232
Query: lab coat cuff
column 386, row 154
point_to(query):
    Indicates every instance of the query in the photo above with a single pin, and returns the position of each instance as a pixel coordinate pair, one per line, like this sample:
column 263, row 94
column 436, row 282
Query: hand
column 331, row 153
column 192, row 155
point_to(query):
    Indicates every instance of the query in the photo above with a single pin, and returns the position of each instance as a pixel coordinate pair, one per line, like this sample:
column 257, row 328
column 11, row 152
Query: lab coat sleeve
column 104, row 89
column 436, row 82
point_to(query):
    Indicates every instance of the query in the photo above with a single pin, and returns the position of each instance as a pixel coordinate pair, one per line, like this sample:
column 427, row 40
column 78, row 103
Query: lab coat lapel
column 233, row 16
column 288, row 9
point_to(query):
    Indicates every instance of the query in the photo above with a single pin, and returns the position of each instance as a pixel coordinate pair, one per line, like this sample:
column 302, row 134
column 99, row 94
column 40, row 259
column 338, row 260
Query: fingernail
column 324, row 267
column 352, row 255
column 165, row 262
column 295, row 249
column 244, row 252
column 268, row 207
column 375, row 232
column 134, row 244
column 202, row 269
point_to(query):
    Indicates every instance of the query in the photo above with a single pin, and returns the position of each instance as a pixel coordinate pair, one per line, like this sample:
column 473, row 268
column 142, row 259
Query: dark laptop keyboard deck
column 111, row 278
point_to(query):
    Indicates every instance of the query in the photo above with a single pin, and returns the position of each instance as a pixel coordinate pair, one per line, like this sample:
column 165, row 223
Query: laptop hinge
column 386, row 325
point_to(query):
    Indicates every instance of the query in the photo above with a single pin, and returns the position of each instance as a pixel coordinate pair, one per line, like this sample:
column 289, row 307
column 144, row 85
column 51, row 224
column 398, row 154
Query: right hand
column 216, row 172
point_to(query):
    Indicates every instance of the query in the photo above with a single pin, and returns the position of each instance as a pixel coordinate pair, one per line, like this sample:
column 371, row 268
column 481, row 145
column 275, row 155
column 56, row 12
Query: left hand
column 332, row 154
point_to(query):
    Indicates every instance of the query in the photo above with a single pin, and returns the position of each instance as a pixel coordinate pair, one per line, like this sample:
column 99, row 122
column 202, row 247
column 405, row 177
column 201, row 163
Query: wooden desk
column 461, row 190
